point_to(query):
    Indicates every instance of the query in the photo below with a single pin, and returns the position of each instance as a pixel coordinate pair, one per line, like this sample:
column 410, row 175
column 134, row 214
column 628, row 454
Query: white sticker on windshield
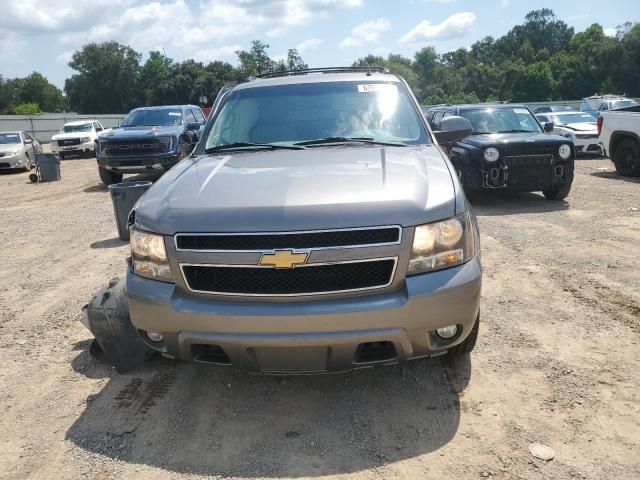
column 376, row 87
column 175, row 114
column 521, row 110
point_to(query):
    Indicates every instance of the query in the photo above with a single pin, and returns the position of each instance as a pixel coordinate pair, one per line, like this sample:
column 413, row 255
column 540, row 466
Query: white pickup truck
column 619, row 132
column 77, row 137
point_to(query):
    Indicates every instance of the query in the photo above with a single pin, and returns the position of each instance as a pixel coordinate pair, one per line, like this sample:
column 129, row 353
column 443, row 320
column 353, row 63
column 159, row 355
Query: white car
column 579, row 127
column 620, row 138
column 77, row 137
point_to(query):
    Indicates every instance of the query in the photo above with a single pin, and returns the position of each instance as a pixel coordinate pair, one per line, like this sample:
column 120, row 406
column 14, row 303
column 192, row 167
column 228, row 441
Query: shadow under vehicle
column 507, row 150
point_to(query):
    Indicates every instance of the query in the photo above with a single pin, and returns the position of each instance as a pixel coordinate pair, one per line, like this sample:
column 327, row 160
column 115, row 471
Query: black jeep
column 508, row 149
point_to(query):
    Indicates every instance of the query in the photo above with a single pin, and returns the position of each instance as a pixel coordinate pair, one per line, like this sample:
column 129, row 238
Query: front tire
column 469, row 342
column 626, row 158
column 108, row 177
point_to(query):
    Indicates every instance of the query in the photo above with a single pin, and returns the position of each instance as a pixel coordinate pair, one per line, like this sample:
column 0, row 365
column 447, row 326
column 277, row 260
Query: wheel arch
column 618, row 136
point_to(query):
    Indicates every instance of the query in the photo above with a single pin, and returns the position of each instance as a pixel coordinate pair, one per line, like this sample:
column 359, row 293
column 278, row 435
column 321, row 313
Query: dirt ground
column 557, row 362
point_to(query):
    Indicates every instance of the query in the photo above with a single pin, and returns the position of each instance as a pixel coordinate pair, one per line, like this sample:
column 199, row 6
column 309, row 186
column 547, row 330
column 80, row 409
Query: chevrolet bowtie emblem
column 283, row 259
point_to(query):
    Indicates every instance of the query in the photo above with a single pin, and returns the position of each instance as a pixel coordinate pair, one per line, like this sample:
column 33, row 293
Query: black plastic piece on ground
column 110, row 323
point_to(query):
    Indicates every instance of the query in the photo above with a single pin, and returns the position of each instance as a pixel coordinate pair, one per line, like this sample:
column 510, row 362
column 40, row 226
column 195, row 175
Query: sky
column 42, row 35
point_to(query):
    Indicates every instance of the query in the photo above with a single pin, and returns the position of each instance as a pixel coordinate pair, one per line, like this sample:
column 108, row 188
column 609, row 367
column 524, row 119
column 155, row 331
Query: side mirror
column 193, row 126
column 28, row 141
column 548, row 127
column 453, row 129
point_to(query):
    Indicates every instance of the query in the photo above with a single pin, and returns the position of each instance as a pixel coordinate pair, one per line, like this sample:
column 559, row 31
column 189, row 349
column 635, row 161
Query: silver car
column 317, row 227
column 18, row 151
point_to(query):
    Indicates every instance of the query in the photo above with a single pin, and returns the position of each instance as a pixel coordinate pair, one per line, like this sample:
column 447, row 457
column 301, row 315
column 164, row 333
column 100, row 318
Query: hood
column 285, row 190
column 581, row 127
column 141, row 132
column 512, row 138
column 64, row 136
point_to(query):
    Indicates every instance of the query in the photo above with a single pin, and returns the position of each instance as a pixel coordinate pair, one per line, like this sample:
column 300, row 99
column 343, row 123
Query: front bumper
column 311, row 336
column 588, row 145
column 81, row 148
column 138, row 164
column 13, row 162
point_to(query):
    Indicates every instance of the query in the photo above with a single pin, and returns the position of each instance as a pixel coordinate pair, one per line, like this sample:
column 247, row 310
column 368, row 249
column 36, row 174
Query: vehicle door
column 189, row 137
column 199, row 116
column 29, row 147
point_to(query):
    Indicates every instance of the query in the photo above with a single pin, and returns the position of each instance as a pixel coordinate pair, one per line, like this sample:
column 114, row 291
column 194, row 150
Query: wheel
column 469, row 342
column 626, row 158
column 27, row 167
column 557, row 192
column 108, row 177
column 61, row 155
column 33, row 178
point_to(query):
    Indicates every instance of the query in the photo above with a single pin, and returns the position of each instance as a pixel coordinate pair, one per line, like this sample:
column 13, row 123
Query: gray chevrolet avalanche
column 316, row 227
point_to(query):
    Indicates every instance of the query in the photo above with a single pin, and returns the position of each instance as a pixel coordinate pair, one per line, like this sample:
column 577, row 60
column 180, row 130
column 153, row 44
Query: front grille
column 130, row 147
column 293, row 240
column 67, row 142
column 529, row 162
column 308, row 279
column 529, row 149
column 586, row 136
column 5, row 165
column 530, row 172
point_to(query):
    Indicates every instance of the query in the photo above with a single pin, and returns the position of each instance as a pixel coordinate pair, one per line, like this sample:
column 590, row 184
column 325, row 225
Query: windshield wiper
column 369, row 140
column 482, row 133
column 238, row 145
column 517, row 130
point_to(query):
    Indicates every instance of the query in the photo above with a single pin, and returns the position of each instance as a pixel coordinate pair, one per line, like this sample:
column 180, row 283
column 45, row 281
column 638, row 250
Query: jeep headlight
column 564, row 151
column 443, row 244
column 491, row 154
column 149, row 256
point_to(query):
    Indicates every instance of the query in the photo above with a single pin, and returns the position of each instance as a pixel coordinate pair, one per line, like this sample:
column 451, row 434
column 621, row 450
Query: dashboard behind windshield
column 500, row 120
column 153, row 118
column 293, row 113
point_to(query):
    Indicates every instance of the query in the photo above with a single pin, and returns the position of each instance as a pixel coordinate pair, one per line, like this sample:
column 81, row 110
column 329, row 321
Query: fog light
column 447, row 332
column 155, row 336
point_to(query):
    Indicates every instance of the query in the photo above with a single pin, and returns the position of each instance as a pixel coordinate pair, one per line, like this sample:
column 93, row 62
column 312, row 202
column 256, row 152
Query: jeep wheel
column 557, row 192
column 108, row 177
column 626, row 158
column 469, row 342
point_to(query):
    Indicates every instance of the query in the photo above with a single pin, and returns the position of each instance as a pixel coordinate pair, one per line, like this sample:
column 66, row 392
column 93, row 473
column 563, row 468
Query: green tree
column 35, row 88
column 256, row 61
column 30, row 108
column 108, row 78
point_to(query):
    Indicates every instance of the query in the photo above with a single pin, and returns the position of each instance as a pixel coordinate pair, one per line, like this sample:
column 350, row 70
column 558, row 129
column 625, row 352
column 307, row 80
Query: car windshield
column 288, row 114
column 85, row 127
column 156, row 117
column 566, row 118
column 9, row 138
column 501, row 120
column 623, row 104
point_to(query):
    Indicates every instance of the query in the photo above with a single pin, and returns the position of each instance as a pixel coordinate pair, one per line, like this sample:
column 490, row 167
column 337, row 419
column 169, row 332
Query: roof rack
column 367, row 69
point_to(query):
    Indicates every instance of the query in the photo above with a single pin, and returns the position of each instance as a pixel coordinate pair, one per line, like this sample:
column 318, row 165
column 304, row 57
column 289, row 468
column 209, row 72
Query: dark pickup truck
column 149, row 139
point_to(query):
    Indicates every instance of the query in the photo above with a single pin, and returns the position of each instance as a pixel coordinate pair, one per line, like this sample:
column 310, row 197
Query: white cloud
column 219, row 53
column 65, row 57
column 366, row 33
column 610, row 32
column 308, row 45
column 456, row 25
column 504, row 3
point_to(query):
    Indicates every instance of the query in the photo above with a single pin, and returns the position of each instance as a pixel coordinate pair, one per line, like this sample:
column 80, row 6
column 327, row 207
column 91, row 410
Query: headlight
column 149, row 257
column 85, row 139
column 564, row 151
column 165, row 143
column 13, row 152
column 443, row 244
column 491, row 154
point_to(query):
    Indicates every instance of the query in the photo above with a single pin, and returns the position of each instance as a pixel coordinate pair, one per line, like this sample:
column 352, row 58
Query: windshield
column 9, row 138
column 157, row 117
column 622, row 104
column 572, row 118
column 501, row 120
column 289, row 114
column 85, row 127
